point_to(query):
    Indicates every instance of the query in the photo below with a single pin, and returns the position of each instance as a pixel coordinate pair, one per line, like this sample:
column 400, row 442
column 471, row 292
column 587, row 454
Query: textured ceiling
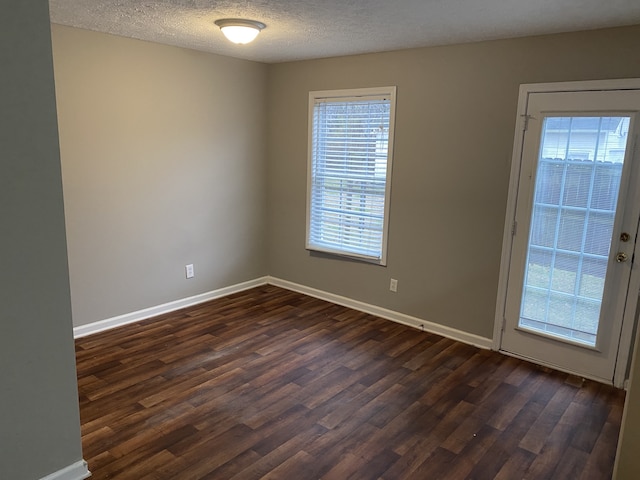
column 304, row 29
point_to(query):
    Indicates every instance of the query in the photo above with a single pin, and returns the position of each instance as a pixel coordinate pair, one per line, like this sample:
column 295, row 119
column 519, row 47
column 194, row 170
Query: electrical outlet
column 393, row 285
column 189, row 270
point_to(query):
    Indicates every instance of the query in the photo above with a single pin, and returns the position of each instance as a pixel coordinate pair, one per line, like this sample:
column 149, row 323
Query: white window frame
column 359, row 94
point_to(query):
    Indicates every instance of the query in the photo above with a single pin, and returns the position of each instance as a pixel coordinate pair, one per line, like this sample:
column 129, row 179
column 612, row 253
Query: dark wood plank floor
column 276, row 385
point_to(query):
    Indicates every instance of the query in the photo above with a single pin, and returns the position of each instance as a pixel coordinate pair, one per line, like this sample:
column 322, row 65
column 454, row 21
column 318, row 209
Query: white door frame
column 628, row 320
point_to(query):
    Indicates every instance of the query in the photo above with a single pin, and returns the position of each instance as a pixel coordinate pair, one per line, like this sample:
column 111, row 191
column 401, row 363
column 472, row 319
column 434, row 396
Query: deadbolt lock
column 624, row 237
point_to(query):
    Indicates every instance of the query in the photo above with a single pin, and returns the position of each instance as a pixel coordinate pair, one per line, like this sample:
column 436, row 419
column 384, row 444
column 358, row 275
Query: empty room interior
column 168, row 314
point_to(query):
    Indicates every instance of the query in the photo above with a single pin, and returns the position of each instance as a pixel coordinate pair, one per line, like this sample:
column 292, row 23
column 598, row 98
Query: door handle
column 621, row 257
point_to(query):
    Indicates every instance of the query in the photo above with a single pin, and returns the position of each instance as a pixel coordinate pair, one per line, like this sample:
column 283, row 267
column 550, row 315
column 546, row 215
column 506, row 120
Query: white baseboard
column 109, row 323
column 75, row 471
column 415, row 322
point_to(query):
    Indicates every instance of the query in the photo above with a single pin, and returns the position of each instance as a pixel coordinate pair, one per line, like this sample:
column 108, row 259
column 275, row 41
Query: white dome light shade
column 240, row 31
column 239, row 34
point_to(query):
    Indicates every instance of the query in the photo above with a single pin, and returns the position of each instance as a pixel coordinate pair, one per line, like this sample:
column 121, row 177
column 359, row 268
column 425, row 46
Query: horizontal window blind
column 349, row 169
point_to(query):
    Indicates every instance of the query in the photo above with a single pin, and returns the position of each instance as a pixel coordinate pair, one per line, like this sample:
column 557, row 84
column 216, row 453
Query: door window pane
column 576, row 193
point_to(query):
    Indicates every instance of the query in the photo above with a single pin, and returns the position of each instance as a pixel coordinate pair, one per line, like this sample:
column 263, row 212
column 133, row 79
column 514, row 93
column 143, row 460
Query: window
column 350, row 150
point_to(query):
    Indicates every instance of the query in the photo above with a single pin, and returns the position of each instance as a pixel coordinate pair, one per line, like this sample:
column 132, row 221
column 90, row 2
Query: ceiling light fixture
column 240, row 31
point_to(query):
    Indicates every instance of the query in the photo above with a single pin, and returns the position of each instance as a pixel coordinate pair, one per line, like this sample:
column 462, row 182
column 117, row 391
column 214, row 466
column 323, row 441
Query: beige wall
column 39, row 419
column 163, row 165
column 455, row 118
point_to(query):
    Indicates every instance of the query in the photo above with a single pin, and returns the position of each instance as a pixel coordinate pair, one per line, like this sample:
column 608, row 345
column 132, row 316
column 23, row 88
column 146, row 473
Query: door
column 573, row 231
